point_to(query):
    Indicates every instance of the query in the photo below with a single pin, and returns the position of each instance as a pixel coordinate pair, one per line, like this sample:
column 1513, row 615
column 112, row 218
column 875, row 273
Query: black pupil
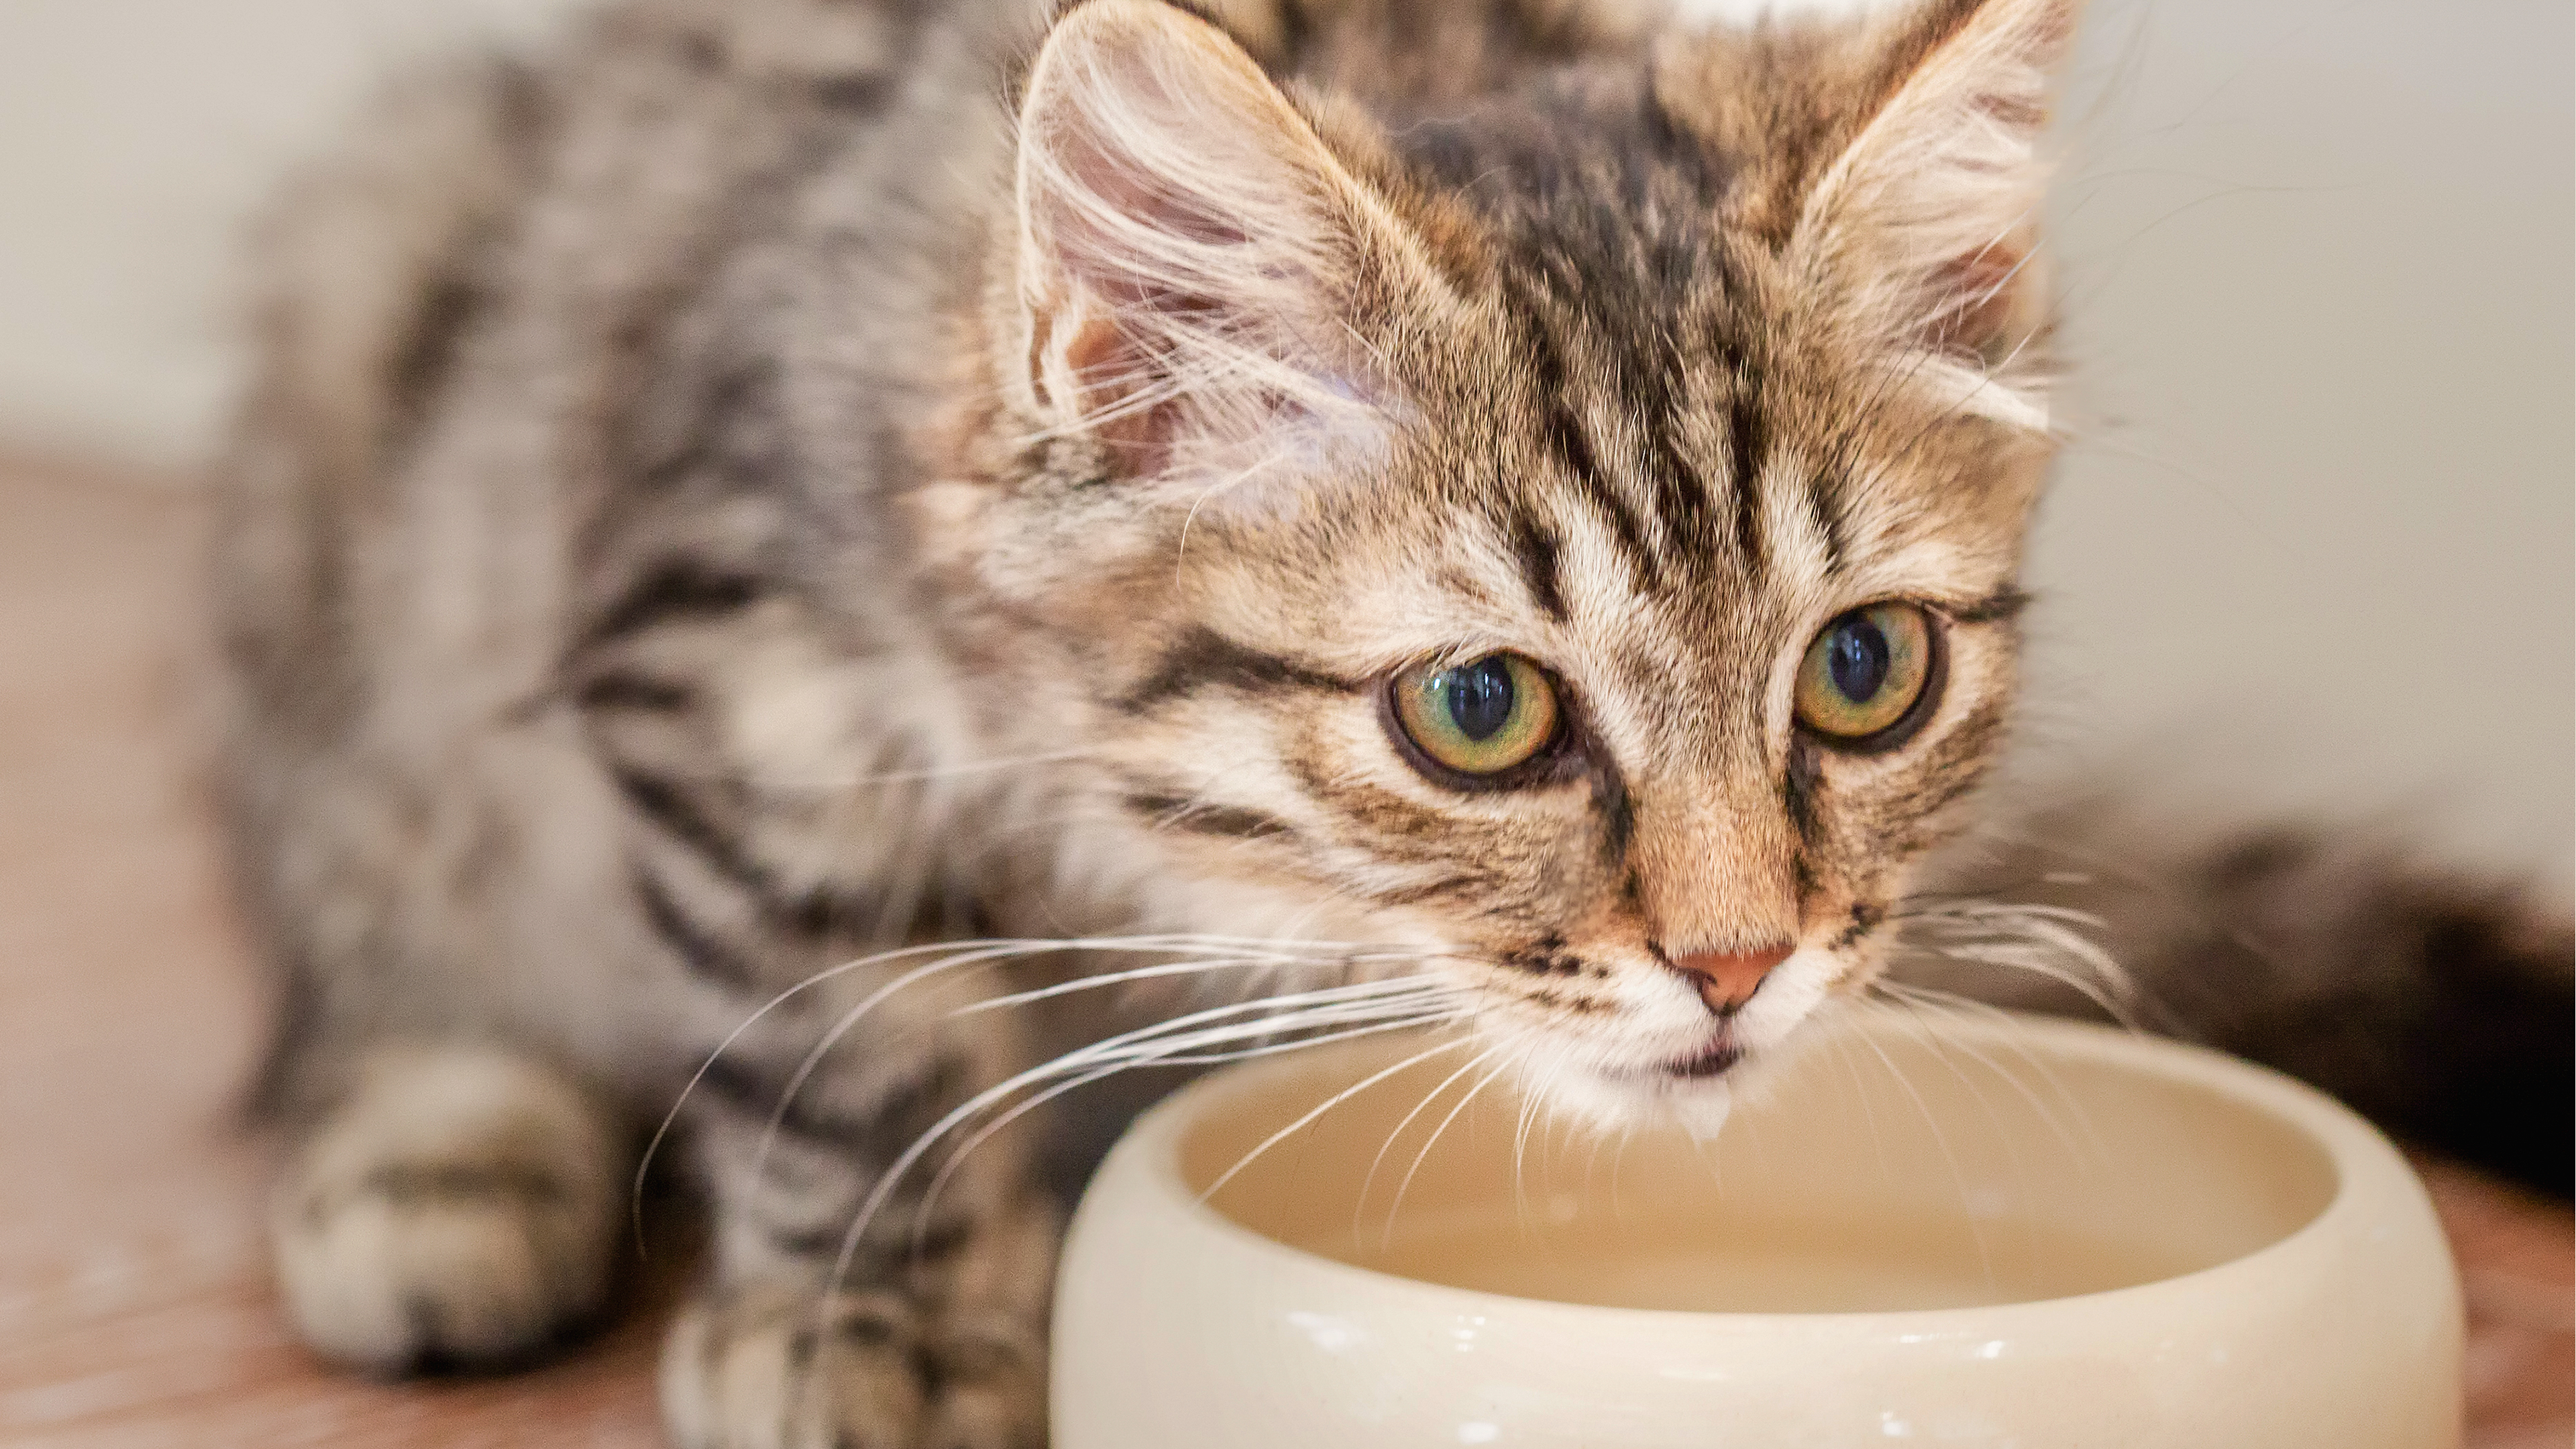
column 1480, row 698
column 1856, row 658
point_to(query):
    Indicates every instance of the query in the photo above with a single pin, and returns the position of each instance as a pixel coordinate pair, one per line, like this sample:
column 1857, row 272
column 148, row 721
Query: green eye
column 1865, row 673
column 1478, row 718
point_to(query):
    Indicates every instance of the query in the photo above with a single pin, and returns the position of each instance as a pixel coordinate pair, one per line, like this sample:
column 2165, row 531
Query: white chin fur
column 1604, row 1094
column 1612, row 1105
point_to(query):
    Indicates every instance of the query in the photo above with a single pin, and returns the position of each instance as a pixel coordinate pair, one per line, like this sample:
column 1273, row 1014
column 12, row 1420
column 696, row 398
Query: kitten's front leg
column 934, row 1338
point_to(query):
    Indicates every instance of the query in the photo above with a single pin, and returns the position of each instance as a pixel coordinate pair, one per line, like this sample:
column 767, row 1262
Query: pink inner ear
column 1113, row 369
column 1977, row 296
column 1930, row 211
column 1106, row 235
column 1118, row 213
column 1189, row 245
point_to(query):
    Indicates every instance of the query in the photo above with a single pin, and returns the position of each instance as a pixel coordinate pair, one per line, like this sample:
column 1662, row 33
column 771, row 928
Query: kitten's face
column 1614, row 605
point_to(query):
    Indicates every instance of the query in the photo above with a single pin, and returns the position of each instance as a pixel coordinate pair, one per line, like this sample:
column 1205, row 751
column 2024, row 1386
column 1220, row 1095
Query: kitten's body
column 462, row 509
column 663, row 563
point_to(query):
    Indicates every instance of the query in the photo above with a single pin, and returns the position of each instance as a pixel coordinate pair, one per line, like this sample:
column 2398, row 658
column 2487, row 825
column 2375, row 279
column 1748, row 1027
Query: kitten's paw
column 460, row 1207
column 763, row 1367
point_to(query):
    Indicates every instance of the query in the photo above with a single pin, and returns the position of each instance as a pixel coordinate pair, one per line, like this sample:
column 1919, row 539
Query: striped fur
column 726, row 499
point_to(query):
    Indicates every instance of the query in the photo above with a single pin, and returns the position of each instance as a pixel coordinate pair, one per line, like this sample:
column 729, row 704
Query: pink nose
column 1727, row 980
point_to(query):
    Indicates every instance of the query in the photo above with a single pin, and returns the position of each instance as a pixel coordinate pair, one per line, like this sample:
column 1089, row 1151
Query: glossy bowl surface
column 2021, row 1233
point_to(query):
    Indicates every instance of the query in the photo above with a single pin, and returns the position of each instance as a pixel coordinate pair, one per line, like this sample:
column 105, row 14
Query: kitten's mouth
column 1710, row 1061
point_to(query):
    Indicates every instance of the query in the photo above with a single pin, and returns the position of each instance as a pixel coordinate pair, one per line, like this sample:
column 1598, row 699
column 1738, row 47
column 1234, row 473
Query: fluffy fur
column 781, row 542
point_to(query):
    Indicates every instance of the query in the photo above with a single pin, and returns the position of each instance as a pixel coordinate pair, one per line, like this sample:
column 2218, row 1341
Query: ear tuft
column 1929, row 219
column 1189, row 250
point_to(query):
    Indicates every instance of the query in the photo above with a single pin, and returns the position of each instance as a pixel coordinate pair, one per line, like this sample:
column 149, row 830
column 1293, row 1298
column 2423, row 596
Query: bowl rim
column 2357, row 1154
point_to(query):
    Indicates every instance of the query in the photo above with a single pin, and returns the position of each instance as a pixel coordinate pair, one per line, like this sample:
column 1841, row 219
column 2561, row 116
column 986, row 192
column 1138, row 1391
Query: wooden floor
column 135, row 1308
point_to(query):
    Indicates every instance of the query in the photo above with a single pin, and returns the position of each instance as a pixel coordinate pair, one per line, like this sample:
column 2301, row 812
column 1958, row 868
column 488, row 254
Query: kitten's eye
column 1478, row 718
column 1864, row 675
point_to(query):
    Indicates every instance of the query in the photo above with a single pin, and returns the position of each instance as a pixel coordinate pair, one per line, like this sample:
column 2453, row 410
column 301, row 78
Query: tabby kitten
column 1493, row 513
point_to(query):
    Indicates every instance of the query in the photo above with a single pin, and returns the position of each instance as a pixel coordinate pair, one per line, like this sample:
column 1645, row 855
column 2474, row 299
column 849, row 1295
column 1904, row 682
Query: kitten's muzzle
column 1727, row 980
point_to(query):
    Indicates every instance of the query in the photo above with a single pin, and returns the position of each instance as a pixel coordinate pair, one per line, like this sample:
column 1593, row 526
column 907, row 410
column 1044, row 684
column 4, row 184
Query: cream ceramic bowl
column 2029, row 1234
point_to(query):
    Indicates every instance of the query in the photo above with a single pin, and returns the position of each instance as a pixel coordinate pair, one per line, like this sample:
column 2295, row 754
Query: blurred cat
column 774, row 532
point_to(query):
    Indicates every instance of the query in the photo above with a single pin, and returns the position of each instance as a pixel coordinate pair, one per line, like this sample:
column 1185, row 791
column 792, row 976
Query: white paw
column 762, row 1368
column 460, row 1207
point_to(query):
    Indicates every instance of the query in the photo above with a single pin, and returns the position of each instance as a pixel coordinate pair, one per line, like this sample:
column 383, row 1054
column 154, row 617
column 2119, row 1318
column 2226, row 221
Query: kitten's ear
column 1928, row 220
column 1191, row 252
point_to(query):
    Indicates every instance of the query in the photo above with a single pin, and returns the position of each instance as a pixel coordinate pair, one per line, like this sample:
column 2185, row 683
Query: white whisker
column 1940, row 1140
column 2040, row 940
column 1925, row 998
column 1331, row 1005
column 1360, row 1205
column 1428, row 1143
column 1921, row 1030
column 670, row 1118
column 939, row 1181
column 849, row 1021
column 1840, row 1040
column 1177, row 968
column 1320, row 1109
column 989, row 951
column 1520, row 1160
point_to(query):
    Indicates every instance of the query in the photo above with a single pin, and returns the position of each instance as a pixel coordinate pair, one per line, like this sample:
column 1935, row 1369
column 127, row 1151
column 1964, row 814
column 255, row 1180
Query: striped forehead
column 1661, row 484
column 1677, row 595
column 1793, row 537
column 1668, row 613
column 1692, row 457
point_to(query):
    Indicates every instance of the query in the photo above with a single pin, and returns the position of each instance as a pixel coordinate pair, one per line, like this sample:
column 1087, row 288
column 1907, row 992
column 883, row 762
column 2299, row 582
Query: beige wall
column 2317, row 525
column 133, row 136
column 2313, row 544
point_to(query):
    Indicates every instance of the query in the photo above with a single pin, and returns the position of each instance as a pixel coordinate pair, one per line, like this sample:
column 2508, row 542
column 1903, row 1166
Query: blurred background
column 2313, row 548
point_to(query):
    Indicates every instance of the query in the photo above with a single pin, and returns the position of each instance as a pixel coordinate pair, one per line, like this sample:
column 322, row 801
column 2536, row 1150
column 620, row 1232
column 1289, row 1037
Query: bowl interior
column 1892, row 1165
